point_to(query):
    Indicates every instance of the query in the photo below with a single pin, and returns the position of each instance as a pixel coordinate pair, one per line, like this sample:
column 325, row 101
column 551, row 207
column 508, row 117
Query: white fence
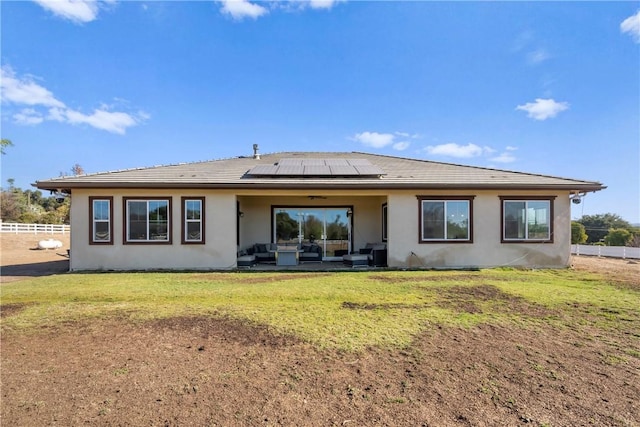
column 606, row 251
column 14, row 227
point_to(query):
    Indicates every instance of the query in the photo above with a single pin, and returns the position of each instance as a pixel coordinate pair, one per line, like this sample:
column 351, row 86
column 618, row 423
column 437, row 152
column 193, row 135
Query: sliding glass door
column 327, row 227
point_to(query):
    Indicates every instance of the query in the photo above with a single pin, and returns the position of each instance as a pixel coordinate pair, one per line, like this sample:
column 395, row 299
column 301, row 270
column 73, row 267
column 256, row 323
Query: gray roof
column 398, row 173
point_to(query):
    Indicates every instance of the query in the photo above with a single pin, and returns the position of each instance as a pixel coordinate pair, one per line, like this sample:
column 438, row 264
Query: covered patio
column 328, row 266
column 333, row 225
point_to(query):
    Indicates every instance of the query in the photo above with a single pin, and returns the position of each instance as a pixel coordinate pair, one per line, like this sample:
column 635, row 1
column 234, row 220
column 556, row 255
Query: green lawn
column 341, row 310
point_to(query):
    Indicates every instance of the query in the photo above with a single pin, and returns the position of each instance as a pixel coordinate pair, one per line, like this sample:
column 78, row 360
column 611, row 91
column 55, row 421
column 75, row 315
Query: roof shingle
column 400, row 173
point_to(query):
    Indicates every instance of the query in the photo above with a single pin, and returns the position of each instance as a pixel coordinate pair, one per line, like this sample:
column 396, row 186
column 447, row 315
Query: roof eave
column 65, row 186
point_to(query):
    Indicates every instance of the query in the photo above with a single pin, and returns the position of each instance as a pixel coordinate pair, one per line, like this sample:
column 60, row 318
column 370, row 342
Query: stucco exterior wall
column 219, row 252
column 404, row 249
column 255, row 226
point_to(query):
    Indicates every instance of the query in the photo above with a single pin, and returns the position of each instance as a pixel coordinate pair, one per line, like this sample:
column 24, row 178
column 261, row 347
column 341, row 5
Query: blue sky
column 541, row 87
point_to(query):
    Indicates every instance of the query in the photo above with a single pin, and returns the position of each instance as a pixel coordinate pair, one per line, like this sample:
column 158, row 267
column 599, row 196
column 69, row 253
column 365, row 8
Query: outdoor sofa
column 266, row 252
column 373, row 255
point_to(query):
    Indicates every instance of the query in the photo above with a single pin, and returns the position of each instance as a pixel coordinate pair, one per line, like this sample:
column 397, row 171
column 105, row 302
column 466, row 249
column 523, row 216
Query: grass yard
column 347, row 311
column 493, row 347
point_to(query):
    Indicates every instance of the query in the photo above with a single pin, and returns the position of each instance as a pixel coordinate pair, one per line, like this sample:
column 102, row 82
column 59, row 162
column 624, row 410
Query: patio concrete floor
column 309, row 266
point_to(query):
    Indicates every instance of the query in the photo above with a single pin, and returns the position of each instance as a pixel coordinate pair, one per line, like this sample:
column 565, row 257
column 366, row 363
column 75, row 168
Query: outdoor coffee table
column 286, row 257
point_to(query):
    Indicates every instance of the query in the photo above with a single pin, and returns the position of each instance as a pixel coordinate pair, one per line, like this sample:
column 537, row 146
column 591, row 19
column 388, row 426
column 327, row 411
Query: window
column 527, row 219
column 327, row 228
column 384, row 222
column 147, row 220
column 193, row 220
column 446, row 219
column 101, row 216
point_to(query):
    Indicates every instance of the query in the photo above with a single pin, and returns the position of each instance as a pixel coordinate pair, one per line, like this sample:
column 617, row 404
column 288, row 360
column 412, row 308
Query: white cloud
column 322, row 4
column 401, row 146
column 79, row 11
column 631, row 25
column 526, row 44
column 381, row 140
column 538, row 56
column 24, row 91
column 115, row 122
column 455, row 150
column 240, row 9
column 28, row 116
column 374, row 139
column 505, row 157
column 543, row 109
column 56, row 114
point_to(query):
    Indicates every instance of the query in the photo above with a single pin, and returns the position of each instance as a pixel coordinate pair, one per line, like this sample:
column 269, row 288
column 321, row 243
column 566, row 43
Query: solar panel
column 369, row 170
column 343, row 170
column 337, row 162
column 290, row 170
column 318, row 167
column 290, row 162
column 358, row 162
column 317, row 170
column 313, row 162
column 263, row 170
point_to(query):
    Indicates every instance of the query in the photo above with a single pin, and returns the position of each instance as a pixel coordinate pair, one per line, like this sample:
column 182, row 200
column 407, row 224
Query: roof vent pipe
column 256, row 155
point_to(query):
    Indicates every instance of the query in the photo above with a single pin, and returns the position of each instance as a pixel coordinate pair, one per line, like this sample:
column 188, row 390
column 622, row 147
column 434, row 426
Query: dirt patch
column 472, row 299
column 624, row 273
column 365, row 306
column 240, row 277
column 425, row 278
column 203, row 371
column 209, row 371
column 224, row 330
column 21, row 258
column 7, row 310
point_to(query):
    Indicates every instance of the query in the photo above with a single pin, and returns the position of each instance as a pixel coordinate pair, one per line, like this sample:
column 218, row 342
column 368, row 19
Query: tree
column 312, row 227
column 598, row 226
column 28, row 206
column 77, row 169
column 578, row 233
column 4, row 144
column 337, row 230
column 286, row 227
column 10, row 209
column 618, row 237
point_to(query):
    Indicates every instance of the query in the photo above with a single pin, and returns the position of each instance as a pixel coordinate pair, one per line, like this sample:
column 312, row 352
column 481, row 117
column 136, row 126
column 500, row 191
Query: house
column 427, row 214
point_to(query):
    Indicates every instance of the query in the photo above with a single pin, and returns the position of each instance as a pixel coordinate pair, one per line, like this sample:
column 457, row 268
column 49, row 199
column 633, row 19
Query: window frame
column 92, row 221
column 126, row 225
column 526, row 199
column 444, row 199
column 184, row 221
column 385, row 222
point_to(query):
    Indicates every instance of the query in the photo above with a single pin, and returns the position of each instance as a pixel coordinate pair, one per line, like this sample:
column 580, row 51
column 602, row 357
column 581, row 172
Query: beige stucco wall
column 404, row 250
column 486, row 249
column 219, row 252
